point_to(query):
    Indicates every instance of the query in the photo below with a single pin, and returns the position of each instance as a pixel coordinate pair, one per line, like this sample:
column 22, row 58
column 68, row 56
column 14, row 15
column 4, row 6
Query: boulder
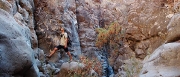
column 164, row 62
column 70, row 67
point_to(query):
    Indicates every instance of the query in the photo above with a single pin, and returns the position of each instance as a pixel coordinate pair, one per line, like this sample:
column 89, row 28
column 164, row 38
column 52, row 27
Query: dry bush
column 111, row 35
column 90, row 64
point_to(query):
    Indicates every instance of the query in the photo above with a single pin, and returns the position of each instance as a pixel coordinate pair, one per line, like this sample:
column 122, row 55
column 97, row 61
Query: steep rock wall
column 17, row 38
column 50, row 16
column 164, row 60
column 147, row 24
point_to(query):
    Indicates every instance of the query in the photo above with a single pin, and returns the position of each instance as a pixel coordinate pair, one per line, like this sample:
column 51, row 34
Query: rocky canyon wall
column 18, row 40
column 30, row 28
column 50, row 16
column 147, row 26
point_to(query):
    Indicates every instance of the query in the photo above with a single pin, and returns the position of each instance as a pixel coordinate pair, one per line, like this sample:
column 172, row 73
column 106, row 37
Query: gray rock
column 41, row 74
column 173, row 27
column 41, row 55
column 32, row 72
column 16, row 54
column 39, row 64
column 72, row 65
column 56, row 71
column 112, row 75
column 164, row 61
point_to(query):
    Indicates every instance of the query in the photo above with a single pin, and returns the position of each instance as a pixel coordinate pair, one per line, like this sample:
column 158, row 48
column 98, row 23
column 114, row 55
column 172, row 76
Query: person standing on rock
column 63, row 44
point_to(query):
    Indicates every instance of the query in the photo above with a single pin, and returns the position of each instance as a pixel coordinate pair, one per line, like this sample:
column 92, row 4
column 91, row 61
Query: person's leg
column 54, row 50
column 69, row 54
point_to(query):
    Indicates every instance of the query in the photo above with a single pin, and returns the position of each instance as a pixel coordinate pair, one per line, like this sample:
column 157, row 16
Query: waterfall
column 75, row 37
column 76, row 41
column 106, row 68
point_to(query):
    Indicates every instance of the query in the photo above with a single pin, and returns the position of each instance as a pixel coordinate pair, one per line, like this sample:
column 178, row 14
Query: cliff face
column 50, row 16
column 146, row 24
column 28, row 26
column 18, row 40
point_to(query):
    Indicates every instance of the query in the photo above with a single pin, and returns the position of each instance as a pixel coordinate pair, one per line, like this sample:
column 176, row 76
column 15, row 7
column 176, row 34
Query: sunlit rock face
column 17, row 39
column 173, row 29
column 145, row 23
column 163, row 62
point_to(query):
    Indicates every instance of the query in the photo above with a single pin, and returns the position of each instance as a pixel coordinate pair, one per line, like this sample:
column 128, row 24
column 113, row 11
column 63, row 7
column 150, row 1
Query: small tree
column 110, row 36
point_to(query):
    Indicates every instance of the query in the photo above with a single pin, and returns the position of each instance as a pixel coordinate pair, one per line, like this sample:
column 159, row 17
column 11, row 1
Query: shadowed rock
column 16, row 54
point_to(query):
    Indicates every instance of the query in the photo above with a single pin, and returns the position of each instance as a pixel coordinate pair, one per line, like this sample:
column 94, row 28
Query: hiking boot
column 69, row 61
column 47, row 56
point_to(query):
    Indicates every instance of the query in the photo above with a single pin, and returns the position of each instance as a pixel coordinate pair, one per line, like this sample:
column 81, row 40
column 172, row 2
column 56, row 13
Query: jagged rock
column 164, row 61
column 16, row 54
column 93, row 73
column 39, row 63
column 5, row 5
column 41, row 74
column 50, row 16
column 48, row 69
column 41, row 55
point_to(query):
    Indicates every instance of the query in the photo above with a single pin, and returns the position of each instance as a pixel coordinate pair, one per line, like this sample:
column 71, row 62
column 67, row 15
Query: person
column 63, row 44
